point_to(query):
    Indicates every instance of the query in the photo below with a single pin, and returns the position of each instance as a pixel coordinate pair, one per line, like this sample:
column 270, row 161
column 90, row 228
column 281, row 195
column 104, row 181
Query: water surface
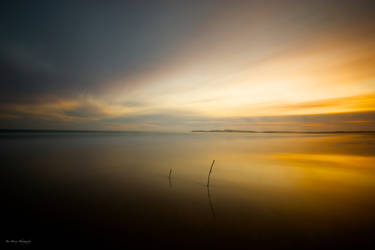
column 266, row 190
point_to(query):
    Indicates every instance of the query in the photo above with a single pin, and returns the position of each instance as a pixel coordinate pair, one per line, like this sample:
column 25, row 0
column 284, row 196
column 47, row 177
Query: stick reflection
column 210, row 203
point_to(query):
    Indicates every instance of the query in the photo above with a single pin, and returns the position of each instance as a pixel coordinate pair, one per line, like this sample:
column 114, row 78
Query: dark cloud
column 64, row 47
column 85, row 111
column 73, row 46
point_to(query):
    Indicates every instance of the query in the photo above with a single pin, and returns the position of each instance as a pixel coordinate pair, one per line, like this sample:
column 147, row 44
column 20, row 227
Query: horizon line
column 282, row 131
column 192, row 131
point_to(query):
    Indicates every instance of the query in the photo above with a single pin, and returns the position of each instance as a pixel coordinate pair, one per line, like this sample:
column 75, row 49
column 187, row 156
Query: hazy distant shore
column 65, row 131
column 278, row 132
column 193, row 131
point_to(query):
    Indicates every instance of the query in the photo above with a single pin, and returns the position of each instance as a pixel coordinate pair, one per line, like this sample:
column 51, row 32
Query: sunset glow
column 235, row 61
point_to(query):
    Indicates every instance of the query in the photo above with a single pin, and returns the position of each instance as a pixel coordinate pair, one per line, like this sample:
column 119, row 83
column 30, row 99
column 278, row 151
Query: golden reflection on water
column 266, row 162
column 260, row 184
column 328, row 175
column 347, row 169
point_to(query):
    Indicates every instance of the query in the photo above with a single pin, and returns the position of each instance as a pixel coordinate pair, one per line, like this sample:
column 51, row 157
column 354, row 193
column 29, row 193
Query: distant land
column 65, row 131
column 290, row 132
column 194, row 131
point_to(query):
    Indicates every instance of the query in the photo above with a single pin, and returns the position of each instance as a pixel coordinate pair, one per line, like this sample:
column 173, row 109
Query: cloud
column 63, row 110
column 72, row 47
column 333, row 105
column 86, row 114
column 185, row 122
column 181, row 65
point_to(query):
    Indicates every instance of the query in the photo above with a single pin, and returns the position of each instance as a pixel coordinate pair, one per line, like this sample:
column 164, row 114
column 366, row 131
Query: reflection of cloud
column 340, row 160
column 360, row 121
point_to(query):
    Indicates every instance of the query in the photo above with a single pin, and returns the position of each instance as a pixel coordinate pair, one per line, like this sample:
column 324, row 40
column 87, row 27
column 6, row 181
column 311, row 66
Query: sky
column 185, row 65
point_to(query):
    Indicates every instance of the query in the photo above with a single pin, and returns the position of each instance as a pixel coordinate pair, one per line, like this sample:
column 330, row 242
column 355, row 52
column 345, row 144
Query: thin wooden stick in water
column 209, row 173
column 169, row 178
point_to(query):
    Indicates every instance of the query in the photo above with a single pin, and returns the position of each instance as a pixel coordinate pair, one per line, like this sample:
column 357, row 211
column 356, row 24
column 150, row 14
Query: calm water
column 267, row 190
